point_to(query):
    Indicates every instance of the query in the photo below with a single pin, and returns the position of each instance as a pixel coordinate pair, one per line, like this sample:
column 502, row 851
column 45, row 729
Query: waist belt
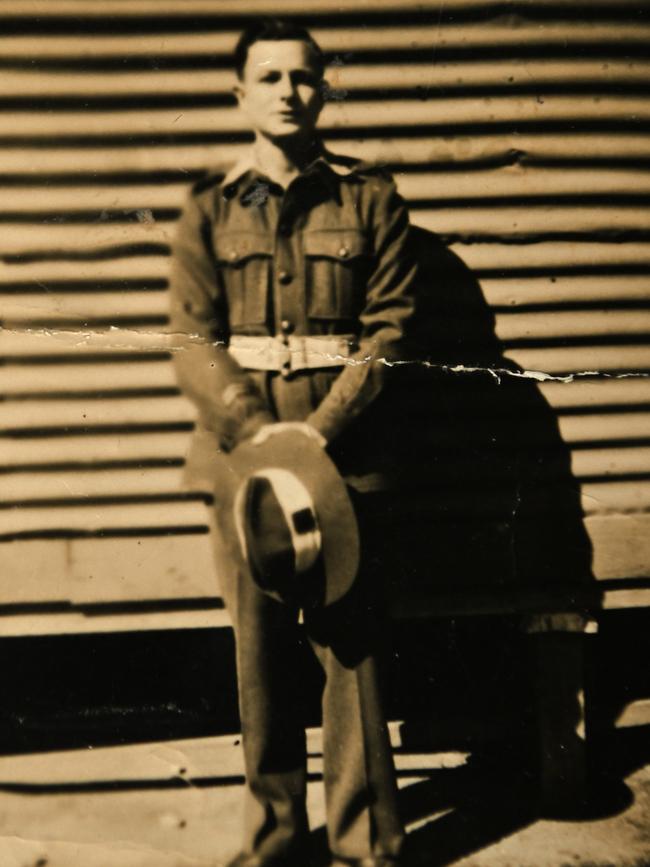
column 291, row 354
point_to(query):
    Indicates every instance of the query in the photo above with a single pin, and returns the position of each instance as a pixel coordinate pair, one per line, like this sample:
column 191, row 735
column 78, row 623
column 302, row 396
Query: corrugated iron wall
column 518, row 131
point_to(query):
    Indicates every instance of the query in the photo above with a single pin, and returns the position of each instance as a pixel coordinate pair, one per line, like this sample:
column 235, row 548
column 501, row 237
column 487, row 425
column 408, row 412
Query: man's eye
column 305, row 77
column 270, row 77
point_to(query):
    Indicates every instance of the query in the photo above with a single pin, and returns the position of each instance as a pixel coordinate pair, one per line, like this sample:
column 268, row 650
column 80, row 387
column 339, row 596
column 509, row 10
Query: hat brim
column 296, row 452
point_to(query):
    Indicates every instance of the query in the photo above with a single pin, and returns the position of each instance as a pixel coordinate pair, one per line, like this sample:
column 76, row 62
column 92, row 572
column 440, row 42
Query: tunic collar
column 339, row 165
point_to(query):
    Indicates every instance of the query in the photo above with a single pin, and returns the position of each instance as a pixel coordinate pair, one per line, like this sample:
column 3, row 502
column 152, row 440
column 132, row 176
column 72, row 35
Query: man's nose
column 286, row 87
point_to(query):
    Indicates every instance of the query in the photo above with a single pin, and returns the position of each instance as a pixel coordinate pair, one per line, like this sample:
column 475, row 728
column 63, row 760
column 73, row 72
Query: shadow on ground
column 462, row 810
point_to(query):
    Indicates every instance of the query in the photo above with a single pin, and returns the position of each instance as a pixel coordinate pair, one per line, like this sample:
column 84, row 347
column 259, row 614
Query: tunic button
column 286, row 369
column 285, row 278
column 343, row 252
column 287, row 326
column 232, row 255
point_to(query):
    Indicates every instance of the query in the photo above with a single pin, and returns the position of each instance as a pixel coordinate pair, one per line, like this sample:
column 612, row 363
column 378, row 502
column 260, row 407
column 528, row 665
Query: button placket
column 286, row 313
column 283, row 279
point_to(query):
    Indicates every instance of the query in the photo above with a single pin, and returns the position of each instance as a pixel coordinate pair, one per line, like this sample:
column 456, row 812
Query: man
column 313, row 251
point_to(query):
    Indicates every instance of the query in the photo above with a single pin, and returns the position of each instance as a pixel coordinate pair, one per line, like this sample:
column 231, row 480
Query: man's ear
column 321, row 94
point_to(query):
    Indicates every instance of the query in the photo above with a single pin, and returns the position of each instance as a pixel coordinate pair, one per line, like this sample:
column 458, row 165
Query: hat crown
column 267, row 489
column 291, row 519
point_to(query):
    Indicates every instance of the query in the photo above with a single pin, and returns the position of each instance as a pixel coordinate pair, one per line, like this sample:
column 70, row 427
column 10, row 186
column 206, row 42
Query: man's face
column 280, row 88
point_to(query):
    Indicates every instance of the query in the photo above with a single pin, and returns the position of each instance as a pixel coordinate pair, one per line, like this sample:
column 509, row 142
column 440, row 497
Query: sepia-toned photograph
column 325, row 433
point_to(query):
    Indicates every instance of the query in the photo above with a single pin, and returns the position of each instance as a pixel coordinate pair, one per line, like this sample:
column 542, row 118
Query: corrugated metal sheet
column 518, row 131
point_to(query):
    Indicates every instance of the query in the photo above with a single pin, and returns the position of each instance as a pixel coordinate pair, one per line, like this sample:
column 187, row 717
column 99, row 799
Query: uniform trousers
column 358, row 771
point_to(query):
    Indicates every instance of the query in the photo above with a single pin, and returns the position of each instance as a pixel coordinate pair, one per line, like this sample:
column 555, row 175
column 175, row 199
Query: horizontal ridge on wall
column 29, row 91
column 422, row 118
column 180, row 518
column 552, row 260
column 517, row 226
column 457, row 153
column 118, row 16
column 186, row 45
column 506, row 184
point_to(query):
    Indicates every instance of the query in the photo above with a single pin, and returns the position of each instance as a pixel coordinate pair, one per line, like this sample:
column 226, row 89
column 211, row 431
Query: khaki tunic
column 331, row 255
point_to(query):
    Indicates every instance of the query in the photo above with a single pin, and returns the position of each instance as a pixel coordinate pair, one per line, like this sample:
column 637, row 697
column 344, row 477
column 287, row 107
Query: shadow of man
column 485, row 517
column 483, row 500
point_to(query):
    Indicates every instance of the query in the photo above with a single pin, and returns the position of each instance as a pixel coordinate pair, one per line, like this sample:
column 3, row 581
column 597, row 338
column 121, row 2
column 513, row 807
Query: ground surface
column 176, row 804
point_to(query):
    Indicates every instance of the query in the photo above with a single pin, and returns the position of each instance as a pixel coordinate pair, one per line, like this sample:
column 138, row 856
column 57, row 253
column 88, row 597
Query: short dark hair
column 274, row 30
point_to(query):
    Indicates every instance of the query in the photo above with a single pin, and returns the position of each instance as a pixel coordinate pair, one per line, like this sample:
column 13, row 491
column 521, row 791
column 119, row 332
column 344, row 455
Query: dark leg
column 559, row 647
column 360, row 786
column 266, row 633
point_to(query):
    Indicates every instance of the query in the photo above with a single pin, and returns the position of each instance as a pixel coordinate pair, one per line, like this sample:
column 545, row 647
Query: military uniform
column 291, row 305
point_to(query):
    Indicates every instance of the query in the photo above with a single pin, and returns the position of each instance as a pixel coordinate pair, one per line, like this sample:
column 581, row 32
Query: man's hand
column 268, row 430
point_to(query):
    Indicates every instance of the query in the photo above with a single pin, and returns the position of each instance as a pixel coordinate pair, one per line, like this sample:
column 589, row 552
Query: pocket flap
column 338, row 244
column 235, row 247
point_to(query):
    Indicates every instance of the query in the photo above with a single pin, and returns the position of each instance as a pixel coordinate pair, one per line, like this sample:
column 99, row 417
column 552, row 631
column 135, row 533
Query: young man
column 294, row 279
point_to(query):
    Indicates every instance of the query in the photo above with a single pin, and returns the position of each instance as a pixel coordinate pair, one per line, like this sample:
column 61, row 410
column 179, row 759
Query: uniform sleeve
column 228, row 401
column 385, row 320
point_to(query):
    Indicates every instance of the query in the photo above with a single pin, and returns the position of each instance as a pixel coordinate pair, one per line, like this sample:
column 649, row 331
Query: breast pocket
column 244, row 260
column 336, row 271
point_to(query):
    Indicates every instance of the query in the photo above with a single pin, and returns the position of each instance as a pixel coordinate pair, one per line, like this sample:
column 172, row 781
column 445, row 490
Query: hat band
column 299, row 514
